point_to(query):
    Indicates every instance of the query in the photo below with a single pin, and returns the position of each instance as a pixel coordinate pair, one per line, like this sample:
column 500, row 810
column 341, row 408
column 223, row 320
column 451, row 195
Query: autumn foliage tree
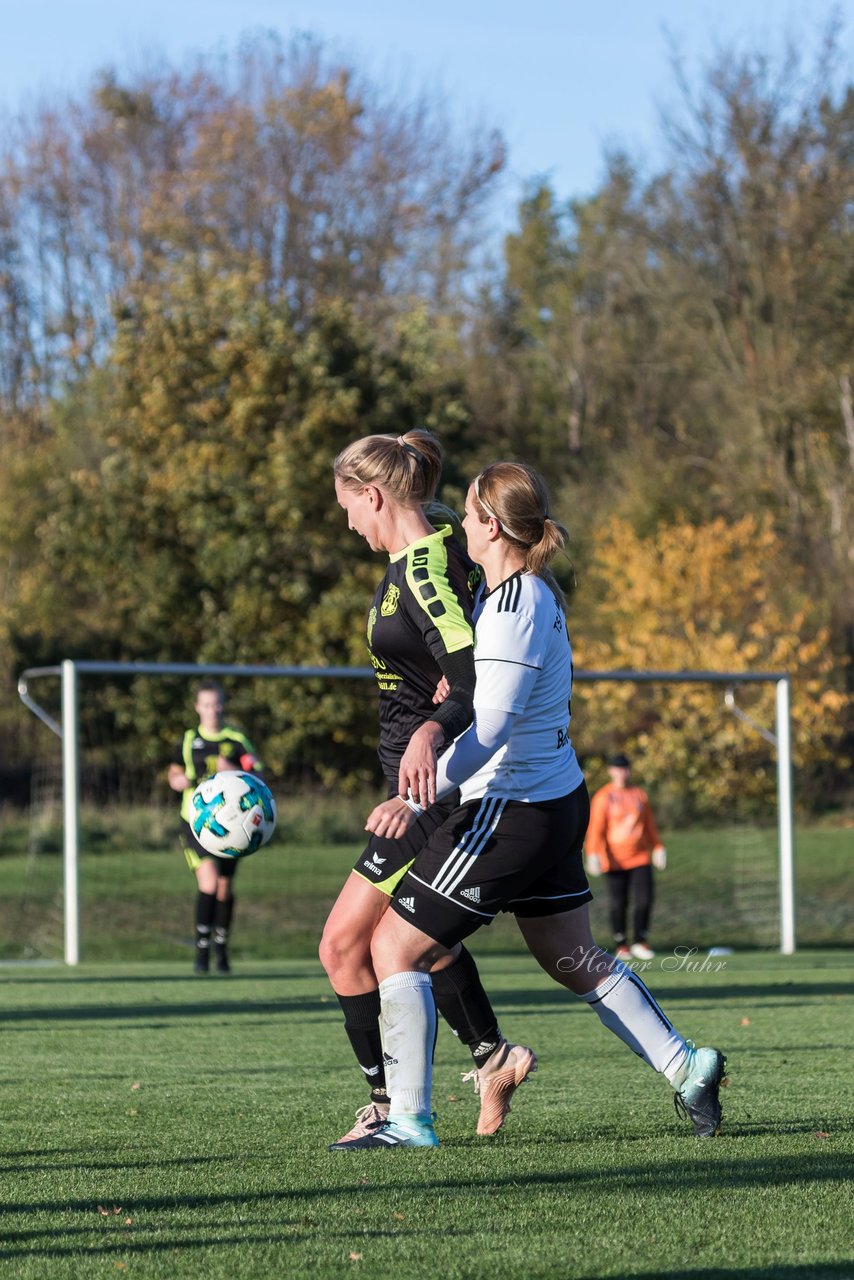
column 281, row 154
column 213, row 275
column 719, row 596
column 199, row 523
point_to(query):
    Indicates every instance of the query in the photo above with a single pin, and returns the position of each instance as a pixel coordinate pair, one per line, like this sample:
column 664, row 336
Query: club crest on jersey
column 390, row 599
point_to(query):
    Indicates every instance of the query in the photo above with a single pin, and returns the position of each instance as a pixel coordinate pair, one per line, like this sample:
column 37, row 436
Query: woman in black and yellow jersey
column 210, row 748
column 419, row 630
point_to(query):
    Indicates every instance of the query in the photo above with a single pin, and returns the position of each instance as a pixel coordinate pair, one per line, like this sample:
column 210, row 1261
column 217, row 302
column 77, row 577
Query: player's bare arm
column 417, row 774
column 391, row 819
column 177, row 778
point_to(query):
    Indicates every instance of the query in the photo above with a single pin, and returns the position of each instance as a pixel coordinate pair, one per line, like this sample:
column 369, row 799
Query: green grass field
column 137, row 903
column 154, row 1124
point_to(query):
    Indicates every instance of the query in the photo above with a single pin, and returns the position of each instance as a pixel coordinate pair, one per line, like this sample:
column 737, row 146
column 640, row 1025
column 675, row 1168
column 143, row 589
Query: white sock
column 627, row 1008
column 408, row 1030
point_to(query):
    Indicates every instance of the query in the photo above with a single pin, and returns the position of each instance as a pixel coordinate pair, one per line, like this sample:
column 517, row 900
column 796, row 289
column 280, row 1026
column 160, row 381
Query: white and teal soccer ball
column 232, row 814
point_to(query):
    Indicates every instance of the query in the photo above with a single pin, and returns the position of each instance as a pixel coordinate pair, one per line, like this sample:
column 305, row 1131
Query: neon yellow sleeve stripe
column 427, row 578
column 187, row 752
column 228, row 732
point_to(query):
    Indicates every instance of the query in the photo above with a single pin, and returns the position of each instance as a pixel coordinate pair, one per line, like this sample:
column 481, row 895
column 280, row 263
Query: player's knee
column 328, row 953
column 393, row 953
column 342, row 953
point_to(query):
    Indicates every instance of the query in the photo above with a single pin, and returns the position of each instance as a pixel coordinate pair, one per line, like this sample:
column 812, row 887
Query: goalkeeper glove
column 659, row 858
column 593, row 864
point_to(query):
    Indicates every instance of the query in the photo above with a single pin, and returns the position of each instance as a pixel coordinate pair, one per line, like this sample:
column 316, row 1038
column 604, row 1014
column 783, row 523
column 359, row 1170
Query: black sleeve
column 457, row 711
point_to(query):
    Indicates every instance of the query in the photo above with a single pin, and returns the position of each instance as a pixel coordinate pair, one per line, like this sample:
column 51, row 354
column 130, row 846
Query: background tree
column 753, row 233
column 213, row 275
column 680, row 349
column 201, row 524
column 280, row 154
column 719, row 596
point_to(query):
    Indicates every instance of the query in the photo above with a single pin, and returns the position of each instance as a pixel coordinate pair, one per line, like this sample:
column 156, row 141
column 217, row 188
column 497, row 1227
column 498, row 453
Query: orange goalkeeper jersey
column 622, row 831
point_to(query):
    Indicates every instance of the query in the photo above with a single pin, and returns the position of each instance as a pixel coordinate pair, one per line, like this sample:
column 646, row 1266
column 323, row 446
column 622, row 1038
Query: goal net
column 102, row 875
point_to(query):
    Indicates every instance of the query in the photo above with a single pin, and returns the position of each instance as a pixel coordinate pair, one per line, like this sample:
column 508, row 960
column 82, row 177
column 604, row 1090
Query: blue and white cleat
column 696, row 1098
column 404, row 1131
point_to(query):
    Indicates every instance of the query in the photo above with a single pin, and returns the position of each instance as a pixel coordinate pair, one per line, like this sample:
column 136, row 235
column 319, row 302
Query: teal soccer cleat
column 696, row 1098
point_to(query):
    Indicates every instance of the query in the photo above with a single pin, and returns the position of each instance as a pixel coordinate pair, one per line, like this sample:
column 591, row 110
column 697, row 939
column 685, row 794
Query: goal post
column 70, row 672
column 780, row 739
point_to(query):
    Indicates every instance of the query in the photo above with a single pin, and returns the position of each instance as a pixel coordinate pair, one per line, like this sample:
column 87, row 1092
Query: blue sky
column 563, row 79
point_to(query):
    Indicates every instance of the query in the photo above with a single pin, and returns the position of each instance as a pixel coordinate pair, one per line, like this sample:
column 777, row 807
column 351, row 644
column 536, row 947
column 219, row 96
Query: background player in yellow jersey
column 209, row 748
column 623, row 842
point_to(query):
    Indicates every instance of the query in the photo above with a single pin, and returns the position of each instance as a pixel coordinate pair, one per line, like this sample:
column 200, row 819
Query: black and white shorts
column 384, row 863
column 494, row 855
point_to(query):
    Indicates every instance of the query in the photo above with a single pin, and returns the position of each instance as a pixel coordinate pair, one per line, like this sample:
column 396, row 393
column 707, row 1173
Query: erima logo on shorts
column 473, row 895
column 408, row 904
column 378, row 860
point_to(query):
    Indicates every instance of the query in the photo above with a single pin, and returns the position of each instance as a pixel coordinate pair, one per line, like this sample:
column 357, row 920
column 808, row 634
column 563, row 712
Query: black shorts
column 196, row 854
column 496, row 855
column 383, row 863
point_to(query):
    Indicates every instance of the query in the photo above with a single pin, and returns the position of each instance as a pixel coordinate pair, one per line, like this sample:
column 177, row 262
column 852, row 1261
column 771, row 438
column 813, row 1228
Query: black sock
column 205, row 908
column 463, row 1003
column 222, row 920
column 362, row 1024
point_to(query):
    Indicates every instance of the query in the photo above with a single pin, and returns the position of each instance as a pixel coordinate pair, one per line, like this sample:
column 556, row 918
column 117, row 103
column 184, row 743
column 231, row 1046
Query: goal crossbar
column 70, row 670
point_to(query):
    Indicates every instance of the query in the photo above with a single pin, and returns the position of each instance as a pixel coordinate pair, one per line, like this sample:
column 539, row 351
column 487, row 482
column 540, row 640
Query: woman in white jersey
column 514, row 842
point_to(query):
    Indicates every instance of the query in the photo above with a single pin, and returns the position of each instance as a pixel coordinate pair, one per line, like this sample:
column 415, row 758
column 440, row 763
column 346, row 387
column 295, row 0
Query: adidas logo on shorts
column 408, row 904
column 473, row 895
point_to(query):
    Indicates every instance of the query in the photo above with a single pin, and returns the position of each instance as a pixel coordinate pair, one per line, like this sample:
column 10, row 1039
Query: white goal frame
column 70, row 671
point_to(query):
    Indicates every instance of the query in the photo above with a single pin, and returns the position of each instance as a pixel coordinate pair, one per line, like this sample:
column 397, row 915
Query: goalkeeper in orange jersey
column 624, row 844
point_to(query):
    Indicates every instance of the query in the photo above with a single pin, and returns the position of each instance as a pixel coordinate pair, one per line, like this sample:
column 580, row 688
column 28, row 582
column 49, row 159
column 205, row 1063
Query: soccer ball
column 232, row 814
